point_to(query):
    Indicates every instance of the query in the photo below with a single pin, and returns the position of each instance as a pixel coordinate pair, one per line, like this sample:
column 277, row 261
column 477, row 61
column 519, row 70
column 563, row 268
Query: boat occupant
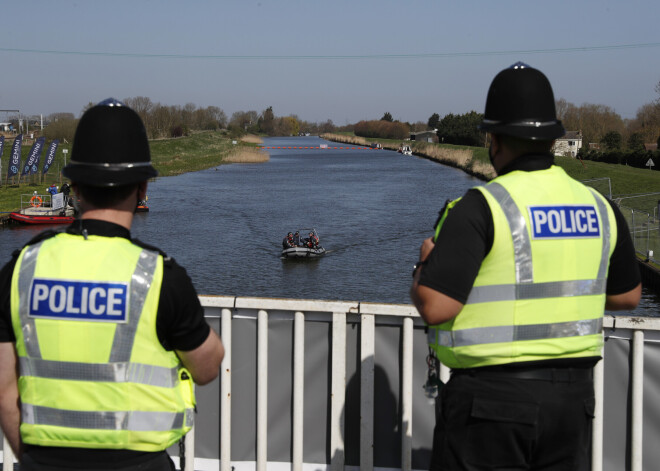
column 297, row 240
column 52, row 190
column 312, row 241
column 287, row 242
column 65, row 189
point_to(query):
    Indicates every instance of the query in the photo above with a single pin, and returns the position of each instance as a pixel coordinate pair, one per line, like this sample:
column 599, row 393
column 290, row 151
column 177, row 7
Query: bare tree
column 86, row 107
column 327, row 126
column 246, row 120
column 59, row 116
column 187, row 114
column 562, row 107
column 163, row 118
column 142, row 105
column 218, row 115
column 593, row 120
column 647, row 122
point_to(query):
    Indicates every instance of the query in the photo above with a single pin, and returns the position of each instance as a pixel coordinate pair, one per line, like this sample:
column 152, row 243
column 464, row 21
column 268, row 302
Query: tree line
column 600, row 126
column 168, row 121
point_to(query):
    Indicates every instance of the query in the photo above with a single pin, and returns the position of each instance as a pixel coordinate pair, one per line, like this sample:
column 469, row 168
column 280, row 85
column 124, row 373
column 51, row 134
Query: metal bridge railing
column 644, row 225
column 645, row 231
column 213, row 442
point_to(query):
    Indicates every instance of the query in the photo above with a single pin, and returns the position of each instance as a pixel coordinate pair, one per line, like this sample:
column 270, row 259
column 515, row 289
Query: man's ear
column 495, row 143
column 142, row 190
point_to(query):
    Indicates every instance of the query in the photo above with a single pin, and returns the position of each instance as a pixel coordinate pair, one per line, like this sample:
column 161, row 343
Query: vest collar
column 529, row 163
column 98, row 228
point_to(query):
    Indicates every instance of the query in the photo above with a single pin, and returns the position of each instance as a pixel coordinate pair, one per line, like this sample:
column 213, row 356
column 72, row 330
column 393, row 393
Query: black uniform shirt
column 180, row 325
column 467, row 237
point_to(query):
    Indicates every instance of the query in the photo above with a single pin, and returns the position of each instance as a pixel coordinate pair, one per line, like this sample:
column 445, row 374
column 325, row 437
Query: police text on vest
column 555, row 222
column 79, row 300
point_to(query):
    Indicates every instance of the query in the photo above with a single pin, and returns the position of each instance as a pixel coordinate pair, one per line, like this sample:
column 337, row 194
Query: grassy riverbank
column 626, row 182
column 207, row 149
column 201, row 151
column 170, row 157
column 471, row 160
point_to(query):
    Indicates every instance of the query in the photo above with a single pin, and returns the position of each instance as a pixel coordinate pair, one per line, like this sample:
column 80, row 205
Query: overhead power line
column 438, row 55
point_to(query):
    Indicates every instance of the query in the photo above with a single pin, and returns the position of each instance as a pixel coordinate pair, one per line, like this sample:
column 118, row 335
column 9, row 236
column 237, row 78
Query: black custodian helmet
column 521, row 103
column 110, row 147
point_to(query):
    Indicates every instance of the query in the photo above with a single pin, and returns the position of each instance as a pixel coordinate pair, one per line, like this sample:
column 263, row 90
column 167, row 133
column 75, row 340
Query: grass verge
column 631, row 187
column 199, row 151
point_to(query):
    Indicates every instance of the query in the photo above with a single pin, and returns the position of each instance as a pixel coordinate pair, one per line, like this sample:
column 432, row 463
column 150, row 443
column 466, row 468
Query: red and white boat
column 42, row 209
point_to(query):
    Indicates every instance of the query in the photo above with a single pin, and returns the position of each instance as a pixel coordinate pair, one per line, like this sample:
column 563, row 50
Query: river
column 371, row 208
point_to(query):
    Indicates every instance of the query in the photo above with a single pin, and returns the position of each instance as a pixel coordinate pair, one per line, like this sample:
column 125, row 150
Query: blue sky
column 339, row 60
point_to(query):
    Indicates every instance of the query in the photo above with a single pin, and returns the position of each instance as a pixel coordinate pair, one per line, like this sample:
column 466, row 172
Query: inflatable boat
column 301, row 252
column 304, row 249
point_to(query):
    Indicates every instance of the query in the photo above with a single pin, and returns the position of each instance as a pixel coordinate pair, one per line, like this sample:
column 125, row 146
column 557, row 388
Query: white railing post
column 367, row 365
column 7, row 456
column 301, row 311
column 189, row 444
column 637, row 401
column 597, row 424
column 225, row 393
column 338, row 389
column 406, row 394
column 298, row 389
column 262, row 390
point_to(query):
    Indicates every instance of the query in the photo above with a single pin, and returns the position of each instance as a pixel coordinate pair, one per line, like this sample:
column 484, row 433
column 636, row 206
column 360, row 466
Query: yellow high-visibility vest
column 540, row 292
column 93, row 373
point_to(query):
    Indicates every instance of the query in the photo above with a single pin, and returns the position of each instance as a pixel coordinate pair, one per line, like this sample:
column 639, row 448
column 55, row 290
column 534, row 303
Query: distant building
column 651, row 147
column 569, row 144
column 5, row 127
column 424, row 136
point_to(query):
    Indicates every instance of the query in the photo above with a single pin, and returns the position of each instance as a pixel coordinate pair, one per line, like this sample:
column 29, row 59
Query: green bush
column 61, row 129
column 461, row 129
column 637, row 159
column 382, row 129
column 235, row 131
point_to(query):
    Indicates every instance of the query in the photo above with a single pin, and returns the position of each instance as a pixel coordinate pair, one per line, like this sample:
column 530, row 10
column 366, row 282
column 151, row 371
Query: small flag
column 15, row 158
column 50, row 155
column 33, row 157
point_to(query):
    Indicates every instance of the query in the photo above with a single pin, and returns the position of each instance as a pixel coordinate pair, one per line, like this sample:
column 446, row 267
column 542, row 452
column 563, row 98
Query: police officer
column 105, row 333
column 513, row 286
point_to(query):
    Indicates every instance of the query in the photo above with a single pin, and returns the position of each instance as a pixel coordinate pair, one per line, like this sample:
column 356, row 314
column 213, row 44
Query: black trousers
column 500, row 421
column 158, row 462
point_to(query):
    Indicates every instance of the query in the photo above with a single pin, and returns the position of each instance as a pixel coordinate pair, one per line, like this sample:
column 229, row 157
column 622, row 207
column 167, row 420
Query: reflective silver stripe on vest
column 100, row 372
column 525, row 288
column 119, row 368
column 607, row 235
column 25, row 276
column 522, row 245
column 136, row 421
column 551, row 289
column 499, row 334
column 140, row 283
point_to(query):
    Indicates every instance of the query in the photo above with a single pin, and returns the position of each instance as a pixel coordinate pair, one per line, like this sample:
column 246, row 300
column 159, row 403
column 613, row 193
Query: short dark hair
column 105, row 197
column 521, row 146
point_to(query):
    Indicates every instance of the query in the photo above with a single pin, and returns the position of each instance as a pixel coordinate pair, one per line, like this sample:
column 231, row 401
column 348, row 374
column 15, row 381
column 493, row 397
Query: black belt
column 562, row 375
